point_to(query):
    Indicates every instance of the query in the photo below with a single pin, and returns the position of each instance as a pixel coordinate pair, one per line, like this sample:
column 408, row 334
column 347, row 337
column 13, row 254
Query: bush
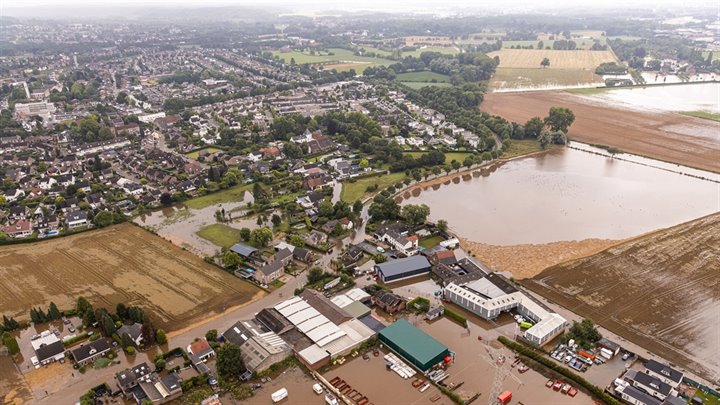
column 455, row 316
column 130, row 350
column 540, row 358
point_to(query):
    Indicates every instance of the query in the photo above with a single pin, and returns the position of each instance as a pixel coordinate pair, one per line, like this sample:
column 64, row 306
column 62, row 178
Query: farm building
column 413, row 345
column 400, row 269
column 491, row 295
column 243, row 250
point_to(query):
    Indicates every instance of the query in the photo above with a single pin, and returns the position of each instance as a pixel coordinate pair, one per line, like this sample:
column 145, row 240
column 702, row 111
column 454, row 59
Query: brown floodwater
column 568, row 194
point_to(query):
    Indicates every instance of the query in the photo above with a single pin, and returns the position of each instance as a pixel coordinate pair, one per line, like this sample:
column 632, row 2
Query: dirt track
column 123, row 263
column 660, row 291
column 669, row 137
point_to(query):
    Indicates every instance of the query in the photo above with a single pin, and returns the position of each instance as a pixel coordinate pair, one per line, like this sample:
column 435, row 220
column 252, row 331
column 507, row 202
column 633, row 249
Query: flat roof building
column 400, row 269
column 413, row 345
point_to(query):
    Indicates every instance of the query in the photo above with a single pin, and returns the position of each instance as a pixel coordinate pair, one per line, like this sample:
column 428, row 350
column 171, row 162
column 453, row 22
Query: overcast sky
column 372, row 4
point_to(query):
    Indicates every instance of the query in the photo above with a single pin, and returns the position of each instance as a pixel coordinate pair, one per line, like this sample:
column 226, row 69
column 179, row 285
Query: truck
column 279, row 395
column 526, row 325
column 608, row 354
column 504, row 397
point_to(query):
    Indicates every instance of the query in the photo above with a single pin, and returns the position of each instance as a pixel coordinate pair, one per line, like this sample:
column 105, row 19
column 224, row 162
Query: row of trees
column 551, row 129
column 37, row 315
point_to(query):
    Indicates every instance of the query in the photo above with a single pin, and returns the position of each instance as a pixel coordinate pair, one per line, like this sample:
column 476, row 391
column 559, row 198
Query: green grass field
column 344, row 58
column 220, row 235
column 424, row 76
column 449, row 157
column 432, row 241
column 716, row 55
column 420, row 85
column 232, row 194
column 521, row 147
column 194, row 154
column 702, row 114
column 352, row 192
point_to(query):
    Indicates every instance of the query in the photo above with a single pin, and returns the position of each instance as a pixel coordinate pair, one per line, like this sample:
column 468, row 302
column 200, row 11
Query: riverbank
column 528, row 260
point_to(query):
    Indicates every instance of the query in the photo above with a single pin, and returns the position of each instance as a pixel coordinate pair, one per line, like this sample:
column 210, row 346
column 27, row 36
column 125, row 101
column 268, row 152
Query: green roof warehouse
column 413, row 345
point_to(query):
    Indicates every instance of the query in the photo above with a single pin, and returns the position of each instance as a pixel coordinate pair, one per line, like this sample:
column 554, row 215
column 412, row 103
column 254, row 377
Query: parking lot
column 25, row 336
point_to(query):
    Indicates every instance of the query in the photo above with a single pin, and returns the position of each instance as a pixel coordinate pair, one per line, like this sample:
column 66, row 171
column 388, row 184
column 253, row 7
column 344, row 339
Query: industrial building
column 401, row 269
column 259, row 347
column 492, row 294
column 331, row 331
column 413, row 345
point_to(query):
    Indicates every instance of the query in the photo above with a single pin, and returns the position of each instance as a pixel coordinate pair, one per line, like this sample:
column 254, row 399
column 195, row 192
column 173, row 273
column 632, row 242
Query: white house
column 76, row 219
column 47, row 183
column 406, row 245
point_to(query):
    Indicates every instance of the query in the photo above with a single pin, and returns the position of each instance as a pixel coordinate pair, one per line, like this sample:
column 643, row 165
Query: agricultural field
column 716, row 55
column 531, row 58
column 122, row 263
column 665, row 136
column 341, row 59
column 509, row 79
column 534, row 43
column 195, row 154
column 660, row 291
column 220, row 235
column 352, row 192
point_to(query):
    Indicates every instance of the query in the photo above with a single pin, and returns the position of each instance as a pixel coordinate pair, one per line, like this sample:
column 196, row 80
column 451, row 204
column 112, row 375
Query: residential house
column 270, row 272
column 159, row 390
column 48, row 348
column 17, row 212
column 76, row 219
column 303, row 255
column 316, row 238
column 353, row 254
column 407, row 245
column 130, row 378
column 664, row 373
column 19, row 229
column 89, row 352
column 652, row 386
column 134, row 331
column 388, row 301
column 201, row 349
column 14, row 194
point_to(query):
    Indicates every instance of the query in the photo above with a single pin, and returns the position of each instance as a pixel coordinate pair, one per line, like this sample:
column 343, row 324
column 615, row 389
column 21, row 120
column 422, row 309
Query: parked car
column 380, row 249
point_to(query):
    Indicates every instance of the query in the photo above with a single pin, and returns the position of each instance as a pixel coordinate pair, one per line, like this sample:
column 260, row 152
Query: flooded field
column 672, row 278
column 693, row 97
column 122, row 263
column 661, row 135
column 564, row 195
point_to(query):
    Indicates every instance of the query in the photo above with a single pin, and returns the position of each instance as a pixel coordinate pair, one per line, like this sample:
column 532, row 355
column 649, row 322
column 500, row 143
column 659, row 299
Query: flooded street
column 180, row 224
column 568, row 194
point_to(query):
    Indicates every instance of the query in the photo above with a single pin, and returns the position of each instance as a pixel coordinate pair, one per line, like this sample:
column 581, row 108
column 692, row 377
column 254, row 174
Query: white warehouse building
column 493, row 294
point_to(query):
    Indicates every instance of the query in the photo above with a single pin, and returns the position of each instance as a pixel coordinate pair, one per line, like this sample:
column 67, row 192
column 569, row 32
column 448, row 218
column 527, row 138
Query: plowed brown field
column 123, row 263
column 660, row 291
column 670, row 137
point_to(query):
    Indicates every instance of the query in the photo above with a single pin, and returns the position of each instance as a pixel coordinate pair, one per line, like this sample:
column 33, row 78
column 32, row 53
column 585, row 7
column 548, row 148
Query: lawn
column 702, row 114
column 231, row 194
column 521, row 147
column 419, row 85
column 430, row 242
column 102, row 362
column 707, row 398
column 352, row 192
column 449, row 157
column 716, row 55
column 220, row 235
column 423, row 76
column 195, row 154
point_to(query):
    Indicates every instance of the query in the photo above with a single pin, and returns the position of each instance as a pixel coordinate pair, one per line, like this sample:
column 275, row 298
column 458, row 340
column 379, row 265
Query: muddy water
column 568, row 194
